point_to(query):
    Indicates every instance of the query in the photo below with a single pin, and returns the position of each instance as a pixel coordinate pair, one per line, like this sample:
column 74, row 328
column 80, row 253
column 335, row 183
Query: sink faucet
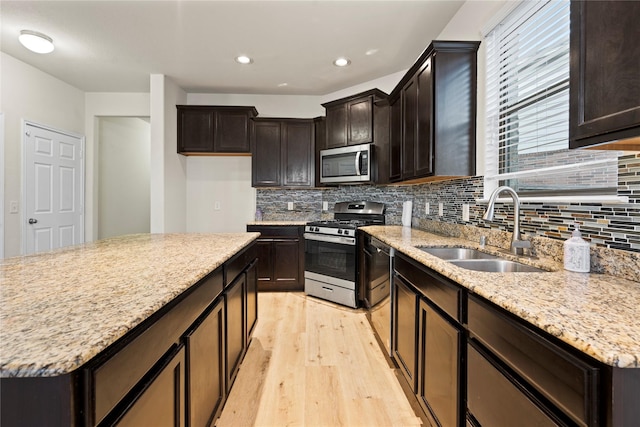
column 517, row 243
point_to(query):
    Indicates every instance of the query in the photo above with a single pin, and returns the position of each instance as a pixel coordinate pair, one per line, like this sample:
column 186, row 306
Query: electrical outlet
column 290, row 206
column 465, row 212
column 325, row 206
column 216, row 205
column 13, row 207
column 440, row 209
column 426, row 208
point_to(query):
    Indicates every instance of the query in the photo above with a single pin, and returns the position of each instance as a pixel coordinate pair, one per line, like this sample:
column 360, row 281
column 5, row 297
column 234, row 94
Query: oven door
column 332, row 256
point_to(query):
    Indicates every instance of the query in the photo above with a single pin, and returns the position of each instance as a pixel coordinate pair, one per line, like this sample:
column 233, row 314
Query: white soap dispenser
column 576, row 253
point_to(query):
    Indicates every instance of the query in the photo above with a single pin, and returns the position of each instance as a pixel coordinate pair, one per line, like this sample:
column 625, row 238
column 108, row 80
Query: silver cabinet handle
column 32, row 220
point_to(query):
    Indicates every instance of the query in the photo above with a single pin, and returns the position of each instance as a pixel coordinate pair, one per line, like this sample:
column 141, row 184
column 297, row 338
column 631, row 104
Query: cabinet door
column 162, row 402
column 252, row 300
column 265, row 260
column 439, row 366
column 405, row 331
column 494, row 400
column 360, row 121
column 337, row 126
column 195, row 130
column 395, row 140
column 205, row 367
column 235, row 325
column 605, row 64
column 265, row 162
column 232, row 132
column 286, row 262
column 297, row 153
column 409, row 128
column 424, row 138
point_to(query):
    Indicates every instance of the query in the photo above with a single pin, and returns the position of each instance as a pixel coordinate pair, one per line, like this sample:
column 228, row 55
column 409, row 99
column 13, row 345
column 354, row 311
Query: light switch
column 216, row 205
column 426, row 208
column 13, row 207
column 440, row 209
column 325, row 206
column 290, row 206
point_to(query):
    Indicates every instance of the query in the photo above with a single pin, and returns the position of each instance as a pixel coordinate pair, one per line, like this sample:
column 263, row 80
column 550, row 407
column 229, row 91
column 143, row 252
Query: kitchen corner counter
column 594, row 313
column 60, row 309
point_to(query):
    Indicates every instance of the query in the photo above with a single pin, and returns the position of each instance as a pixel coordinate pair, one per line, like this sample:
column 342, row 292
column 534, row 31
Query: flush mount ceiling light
column 35, row 41
column 243, row 59
column 341, row 62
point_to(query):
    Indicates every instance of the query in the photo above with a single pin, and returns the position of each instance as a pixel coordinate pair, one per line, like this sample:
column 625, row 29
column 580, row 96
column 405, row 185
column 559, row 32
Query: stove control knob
column 316, row 230
column 339, row 231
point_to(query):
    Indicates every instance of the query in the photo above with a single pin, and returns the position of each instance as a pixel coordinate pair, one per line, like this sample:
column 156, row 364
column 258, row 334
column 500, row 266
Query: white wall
column 467, row 24
column 123, row 176
column 168, row 168
column 99, row 104
column 27, row 93
column 219, row 194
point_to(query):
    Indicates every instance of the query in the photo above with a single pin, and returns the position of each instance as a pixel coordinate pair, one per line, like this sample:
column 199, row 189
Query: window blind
column 528, row 108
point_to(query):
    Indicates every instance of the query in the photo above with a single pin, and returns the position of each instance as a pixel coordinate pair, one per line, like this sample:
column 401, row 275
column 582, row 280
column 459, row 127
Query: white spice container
column 576, row 253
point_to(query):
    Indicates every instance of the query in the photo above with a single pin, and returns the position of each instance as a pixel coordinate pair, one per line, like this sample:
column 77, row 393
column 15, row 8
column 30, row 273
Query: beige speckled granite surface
column 595, row 313
column 60, row 309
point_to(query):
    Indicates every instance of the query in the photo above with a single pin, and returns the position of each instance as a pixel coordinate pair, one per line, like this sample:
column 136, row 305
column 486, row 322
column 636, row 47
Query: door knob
column 32, row 220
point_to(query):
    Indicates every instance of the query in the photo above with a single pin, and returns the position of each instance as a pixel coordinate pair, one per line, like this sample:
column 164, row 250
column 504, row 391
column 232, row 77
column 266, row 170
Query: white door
column 53, row 189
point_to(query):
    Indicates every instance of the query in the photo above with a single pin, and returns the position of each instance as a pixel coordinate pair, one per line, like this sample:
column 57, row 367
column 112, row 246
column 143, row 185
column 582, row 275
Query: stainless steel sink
column 496, row 266
column 457, row 253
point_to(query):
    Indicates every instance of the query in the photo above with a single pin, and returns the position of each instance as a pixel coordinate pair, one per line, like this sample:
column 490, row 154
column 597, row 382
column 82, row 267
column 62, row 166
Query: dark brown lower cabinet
column 236, row 337
column 205, row 355
column 439, row 365
column 404, row 343
column 280, row 257
column 162, row 402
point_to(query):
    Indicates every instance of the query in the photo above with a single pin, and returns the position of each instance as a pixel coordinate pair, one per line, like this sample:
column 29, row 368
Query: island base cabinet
column 494, row 400
column 205, row 367
column 235, row 325
column 161, row 403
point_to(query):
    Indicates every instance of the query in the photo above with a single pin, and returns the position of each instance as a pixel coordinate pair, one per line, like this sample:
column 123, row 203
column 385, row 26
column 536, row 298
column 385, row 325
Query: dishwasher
column 378, row 269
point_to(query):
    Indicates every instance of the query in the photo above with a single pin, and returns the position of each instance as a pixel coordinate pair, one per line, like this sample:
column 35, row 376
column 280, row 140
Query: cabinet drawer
column 569, row 382
column 493, row 400
column 444, row 294
column 330, row 292
column 237, row 264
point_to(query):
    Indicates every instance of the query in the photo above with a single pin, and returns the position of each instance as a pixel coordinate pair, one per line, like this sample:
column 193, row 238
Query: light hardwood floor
column 314, row 363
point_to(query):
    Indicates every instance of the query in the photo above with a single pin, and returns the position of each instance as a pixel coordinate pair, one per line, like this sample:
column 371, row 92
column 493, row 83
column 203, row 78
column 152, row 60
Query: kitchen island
column 559, row 346
column 85, row 331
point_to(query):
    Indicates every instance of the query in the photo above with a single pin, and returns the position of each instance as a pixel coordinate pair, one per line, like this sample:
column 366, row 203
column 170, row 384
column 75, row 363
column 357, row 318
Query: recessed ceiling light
column 341, row 62
column 283, row 84
column 243, row 59
column 35, row 41
column 371, row 52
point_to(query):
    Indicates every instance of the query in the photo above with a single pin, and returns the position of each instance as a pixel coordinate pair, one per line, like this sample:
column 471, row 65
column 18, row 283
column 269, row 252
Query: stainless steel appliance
column 351, row 164
column 331, row 262
column 376, row 283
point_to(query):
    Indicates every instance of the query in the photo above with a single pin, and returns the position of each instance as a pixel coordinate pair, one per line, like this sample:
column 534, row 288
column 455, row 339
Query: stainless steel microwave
column 351, row 164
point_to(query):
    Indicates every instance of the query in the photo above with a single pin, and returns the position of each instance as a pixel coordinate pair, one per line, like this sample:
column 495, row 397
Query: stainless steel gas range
column 331, row 262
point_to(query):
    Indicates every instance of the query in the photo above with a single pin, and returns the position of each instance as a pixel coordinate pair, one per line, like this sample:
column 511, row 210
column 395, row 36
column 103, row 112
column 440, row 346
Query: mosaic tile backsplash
column 612, row 226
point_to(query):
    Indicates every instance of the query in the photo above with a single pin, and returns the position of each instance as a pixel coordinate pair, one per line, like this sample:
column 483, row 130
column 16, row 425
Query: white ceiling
column 113, row 46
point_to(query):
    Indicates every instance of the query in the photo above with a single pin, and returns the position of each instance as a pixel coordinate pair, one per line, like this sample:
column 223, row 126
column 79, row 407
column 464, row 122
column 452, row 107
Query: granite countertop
column 282, row 222
column 595, row 313
column 59, row 309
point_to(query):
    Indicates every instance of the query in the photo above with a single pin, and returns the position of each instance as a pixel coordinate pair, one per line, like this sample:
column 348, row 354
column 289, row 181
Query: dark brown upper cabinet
column 433, row 115
column 605, row 75
column 350, row 121
column 210, row 130
column 282, row 153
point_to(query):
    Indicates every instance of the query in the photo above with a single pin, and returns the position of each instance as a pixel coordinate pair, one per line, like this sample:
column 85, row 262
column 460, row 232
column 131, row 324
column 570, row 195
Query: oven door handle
column 351, row 241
